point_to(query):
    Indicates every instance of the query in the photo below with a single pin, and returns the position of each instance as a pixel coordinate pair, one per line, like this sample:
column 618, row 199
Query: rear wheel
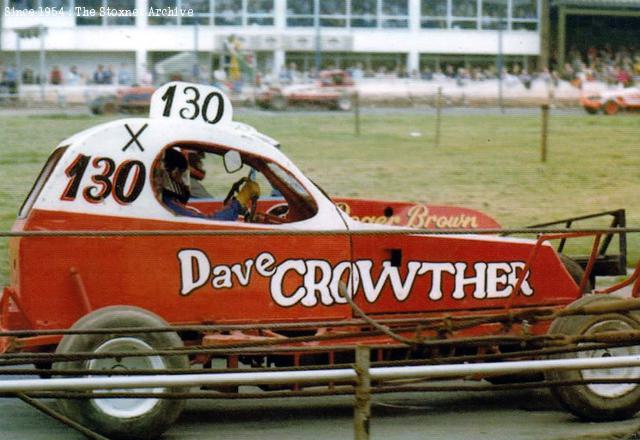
column 597, row 402
column 576, row 272
column 278, row 102
column 134, row 418
column 591, row 110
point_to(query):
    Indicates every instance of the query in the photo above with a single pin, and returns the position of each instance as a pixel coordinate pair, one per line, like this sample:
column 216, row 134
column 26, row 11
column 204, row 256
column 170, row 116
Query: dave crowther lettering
column 316, row 281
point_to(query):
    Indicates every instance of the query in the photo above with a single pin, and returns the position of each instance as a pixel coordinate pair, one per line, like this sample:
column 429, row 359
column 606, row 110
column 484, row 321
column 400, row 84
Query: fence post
column 362, row 413
column 356, row 109
column 438, row 116
column 544, row 135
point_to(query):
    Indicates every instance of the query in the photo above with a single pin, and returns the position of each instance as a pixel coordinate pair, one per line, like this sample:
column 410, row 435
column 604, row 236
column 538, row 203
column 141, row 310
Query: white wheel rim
column 612, row 390
column 121, row 407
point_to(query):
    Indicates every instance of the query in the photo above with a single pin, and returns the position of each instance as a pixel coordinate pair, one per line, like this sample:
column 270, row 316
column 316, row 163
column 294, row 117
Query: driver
column 241, row 200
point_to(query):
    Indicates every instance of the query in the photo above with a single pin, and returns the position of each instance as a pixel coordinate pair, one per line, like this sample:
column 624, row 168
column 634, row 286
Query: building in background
column 401, row 36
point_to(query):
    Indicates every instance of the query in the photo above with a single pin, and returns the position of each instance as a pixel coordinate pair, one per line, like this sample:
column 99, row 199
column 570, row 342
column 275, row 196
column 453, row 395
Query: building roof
column 611, row 4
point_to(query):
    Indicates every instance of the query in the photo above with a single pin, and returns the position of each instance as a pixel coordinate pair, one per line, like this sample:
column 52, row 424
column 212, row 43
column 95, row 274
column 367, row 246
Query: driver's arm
column 244, row 202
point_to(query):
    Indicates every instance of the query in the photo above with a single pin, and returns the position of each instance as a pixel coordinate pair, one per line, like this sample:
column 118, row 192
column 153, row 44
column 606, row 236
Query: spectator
column 73, row 77
column 55, row 76
column 124, row 75
column 357, row 73
column 99, row 75
column 28, row 77
column 108, row 75
column 11, row 79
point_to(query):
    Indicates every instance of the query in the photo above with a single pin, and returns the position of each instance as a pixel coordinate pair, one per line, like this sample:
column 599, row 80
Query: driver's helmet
column 175, row 181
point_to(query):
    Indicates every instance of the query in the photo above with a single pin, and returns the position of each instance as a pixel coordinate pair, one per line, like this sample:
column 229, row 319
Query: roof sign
column 191, row 102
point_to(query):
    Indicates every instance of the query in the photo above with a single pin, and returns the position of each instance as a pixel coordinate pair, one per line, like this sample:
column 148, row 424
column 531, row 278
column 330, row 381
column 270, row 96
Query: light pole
column 316, row 23
column 38, row 31
column 500, row 63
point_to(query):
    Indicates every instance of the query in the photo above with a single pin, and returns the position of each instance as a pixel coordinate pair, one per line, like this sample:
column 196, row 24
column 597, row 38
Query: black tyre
column 597, row 402
column 576, row 271
column 278, row 102
column 591, row 110
column 610, row 108
column 136, row 418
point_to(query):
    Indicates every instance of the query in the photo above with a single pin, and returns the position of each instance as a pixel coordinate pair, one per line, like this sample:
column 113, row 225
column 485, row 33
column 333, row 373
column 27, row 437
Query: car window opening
column 197, row 181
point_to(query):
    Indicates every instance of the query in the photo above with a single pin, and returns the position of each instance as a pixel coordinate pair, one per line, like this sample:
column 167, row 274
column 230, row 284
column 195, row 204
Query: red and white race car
column 135, row 99
column 333, row 89
column 187, row 218
column 611, row 102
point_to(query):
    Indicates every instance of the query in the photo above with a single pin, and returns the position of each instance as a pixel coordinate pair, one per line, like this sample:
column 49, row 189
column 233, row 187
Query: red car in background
column 135, row 99
column 333, row 89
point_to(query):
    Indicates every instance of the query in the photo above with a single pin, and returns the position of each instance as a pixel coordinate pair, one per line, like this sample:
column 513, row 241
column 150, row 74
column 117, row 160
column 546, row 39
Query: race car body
column 113, row 176
column 134, row 99
column 611, row 102
column 333, row 89
column 187, row 218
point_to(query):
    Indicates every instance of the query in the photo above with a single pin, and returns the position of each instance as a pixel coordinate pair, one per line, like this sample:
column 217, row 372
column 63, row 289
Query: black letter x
column 134, row 137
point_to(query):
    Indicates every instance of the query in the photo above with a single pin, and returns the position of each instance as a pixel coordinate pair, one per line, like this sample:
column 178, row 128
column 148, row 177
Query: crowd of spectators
column 621, row 66
column 71, row 76
column 513, row 73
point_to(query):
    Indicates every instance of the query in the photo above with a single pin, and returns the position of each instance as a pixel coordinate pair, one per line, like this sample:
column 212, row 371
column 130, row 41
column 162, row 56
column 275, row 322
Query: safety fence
column 415, row 350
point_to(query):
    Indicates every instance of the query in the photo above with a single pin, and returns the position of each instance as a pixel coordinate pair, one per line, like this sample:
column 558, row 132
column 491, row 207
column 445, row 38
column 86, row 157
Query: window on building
column 201, row 12
column 364, row 13
column 159, row 19
column 23, row 4
column 107, row 12
column 433, row 14
column 494, row 14
column 300, row 12
column 395, row 13
column 55, row 4
column 126, row 6
column 260, row 12
column 333, row 13
column 87, row 5
column 527, row 9
column 464, row 14
column 524, row 15
column 228, row 12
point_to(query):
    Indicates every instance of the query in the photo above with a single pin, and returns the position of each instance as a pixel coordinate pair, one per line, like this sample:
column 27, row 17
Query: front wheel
column 344, row 102
column 598, row 402
column 130, row 418
column 610, row 107
column 278, row 102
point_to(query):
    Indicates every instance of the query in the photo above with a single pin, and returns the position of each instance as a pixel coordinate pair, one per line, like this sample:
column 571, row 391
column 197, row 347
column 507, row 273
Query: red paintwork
column 54, row 281
column 326, row 90
column 142, row 271
column 392, row 213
